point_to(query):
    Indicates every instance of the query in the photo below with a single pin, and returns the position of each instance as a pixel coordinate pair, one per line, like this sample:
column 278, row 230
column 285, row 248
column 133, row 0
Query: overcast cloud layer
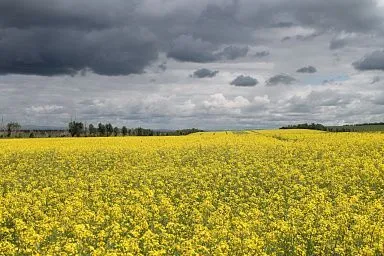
column 217, row 64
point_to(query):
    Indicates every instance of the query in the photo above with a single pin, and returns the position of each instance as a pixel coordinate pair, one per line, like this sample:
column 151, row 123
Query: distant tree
column 109, row 129
column 12, row 127
column 116, row 131
column 311, row 126
column 75, row 128
column 101, row 129
column 124, row 131
column 92, row 130
column 139, row 131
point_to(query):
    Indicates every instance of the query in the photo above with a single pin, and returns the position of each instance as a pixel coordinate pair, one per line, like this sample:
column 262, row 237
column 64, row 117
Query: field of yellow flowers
column 226, row 193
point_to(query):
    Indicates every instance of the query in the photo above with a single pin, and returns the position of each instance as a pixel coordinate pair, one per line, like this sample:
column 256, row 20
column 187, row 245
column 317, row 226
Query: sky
column 217, row 64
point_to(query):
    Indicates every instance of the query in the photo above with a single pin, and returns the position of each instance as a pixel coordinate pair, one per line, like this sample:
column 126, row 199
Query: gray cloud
column 373, row 61
column 244, row 81
column 286, row 38
column 313, row 102
column 280, row 79
column 337, row 43
column 219, row 23
column 379, row 99
column 283, row 24
column 203, row 73
column 376, row 79
column 328, row 98
column 162, row 66
column 308, row 37
column 323, row 15
column 301, row 37
column 309, row 69
column 187, row 48
column 362, row 15
column 262, row 54
column 233, row 52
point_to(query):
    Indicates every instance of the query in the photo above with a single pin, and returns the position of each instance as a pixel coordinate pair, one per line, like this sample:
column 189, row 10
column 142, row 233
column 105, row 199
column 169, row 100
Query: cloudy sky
column 210, row 64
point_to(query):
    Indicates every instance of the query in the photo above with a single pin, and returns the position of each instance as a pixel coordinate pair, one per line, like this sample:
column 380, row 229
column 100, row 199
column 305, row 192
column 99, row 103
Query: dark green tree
column 109, row 129
column 101, row 129
column 116, row 131
column 92, row 130
column 75, row 128
column 124, row 131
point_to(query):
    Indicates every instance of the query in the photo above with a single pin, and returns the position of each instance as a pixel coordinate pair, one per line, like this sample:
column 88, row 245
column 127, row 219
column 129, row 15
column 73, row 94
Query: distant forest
column 79, row 129
column 364, row 127
column 312, row 126
column 105, row 130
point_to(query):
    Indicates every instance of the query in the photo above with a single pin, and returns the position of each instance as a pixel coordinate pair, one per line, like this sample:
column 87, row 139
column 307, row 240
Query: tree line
column 77, row 129
column 307, row 126
column 344, row 128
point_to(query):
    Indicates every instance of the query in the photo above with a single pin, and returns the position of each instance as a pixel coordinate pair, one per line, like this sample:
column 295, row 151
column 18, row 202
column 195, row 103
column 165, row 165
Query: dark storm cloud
column 203, row 73
column 281, row 79
column 65, row 13
column 337, row 43
column 309, row 69
column 373, row 61
column 51, row 37
column 50, row 52
column 244, row 81
column 55, row 37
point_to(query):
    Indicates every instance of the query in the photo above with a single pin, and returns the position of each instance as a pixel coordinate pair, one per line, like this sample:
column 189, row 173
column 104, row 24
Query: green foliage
column 109, row 129
column 101, row 129
column 124, row 131
column 116, row 131
column 76, row 128
column 92, row 130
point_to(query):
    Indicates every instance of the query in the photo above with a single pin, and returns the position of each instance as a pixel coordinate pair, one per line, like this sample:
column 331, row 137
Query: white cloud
column 260, row 101
column 218, row 100
column 46, row 109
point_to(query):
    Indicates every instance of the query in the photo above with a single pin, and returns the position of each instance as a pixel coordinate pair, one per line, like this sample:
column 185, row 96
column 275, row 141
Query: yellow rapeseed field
column 225, row 193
